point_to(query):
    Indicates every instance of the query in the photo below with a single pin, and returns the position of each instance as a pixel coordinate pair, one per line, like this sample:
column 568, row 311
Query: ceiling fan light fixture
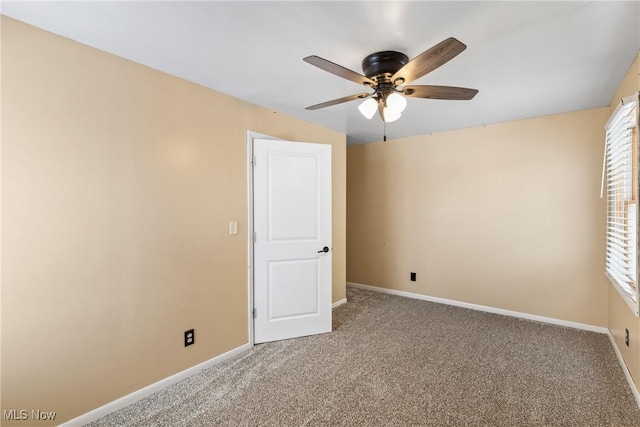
column 387, row 72
column 390, row 114
column 368, row 108
column 396, row 102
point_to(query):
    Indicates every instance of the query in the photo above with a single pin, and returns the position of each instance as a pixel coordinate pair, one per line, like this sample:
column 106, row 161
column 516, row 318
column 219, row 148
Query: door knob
column 325, row 249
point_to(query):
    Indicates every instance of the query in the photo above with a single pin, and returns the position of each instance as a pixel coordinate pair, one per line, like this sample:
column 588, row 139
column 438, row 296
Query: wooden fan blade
column 439, row 92
column 429, row 60
column 339, row 101
column 338, row 70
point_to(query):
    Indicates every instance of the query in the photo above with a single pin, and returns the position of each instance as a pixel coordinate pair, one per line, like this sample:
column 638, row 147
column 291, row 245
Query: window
column 620, row 178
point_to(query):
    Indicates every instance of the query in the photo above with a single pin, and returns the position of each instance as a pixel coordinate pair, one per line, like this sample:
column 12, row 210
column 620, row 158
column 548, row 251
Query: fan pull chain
column 385, row 130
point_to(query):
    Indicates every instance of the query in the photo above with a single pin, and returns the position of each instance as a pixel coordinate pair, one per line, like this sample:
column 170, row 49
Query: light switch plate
column 233, row 227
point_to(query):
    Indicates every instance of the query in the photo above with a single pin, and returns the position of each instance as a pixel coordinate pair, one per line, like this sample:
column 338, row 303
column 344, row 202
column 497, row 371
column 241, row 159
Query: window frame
column 627, row 206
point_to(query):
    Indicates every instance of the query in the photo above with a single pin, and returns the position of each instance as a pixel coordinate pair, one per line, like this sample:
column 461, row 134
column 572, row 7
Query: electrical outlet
column 626, row 337
column 189, row 337
column 413, row 277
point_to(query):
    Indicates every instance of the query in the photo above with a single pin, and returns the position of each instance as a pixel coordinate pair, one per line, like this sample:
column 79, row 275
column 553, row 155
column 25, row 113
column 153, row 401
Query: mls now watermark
column 24, row 415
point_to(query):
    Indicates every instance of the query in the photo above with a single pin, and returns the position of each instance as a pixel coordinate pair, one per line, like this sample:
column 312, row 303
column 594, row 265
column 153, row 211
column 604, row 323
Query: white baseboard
column 623, row 365
column 150, row 389
column 527, row 316
column 338, row 303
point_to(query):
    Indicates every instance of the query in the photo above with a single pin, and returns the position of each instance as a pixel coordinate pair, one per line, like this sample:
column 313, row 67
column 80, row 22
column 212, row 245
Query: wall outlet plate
column 413, row 277
column 189, row 338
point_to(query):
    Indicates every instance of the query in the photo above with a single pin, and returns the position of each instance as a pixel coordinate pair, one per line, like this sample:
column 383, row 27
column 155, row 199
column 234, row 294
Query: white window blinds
column 621, row 183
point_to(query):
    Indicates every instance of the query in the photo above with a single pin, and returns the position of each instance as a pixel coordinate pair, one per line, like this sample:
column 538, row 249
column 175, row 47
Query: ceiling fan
column 387, row 73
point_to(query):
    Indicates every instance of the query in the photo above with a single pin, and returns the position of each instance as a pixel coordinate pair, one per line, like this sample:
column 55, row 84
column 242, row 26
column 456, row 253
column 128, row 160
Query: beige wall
column 620, row 316
column 507, row 216
column 118, row 185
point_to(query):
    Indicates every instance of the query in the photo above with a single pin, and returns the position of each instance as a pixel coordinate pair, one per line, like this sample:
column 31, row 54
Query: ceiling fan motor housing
column 381, row 63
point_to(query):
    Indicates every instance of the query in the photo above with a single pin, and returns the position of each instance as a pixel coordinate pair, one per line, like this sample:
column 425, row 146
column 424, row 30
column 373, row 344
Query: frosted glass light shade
column 396, row 102
column 390, row 115
column 368, row 108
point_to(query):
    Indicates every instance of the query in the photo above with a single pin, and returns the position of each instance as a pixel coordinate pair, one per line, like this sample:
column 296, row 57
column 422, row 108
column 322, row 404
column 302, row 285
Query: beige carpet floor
column 393, row 361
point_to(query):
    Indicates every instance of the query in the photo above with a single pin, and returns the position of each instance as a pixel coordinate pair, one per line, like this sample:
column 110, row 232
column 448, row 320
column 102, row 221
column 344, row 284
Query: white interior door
column 292, row 248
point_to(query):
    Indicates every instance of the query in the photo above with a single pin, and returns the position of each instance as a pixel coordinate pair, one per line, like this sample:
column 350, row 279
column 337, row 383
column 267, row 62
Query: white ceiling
column 527, row 59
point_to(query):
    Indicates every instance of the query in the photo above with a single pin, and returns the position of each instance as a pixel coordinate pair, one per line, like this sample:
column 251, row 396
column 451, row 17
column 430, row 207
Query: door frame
column 251, row 135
